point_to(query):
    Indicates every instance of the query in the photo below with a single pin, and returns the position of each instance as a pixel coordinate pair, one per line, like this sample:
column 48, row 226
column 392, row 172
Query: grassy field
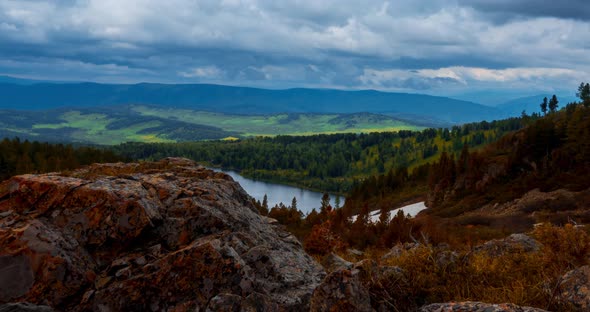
column 110, row 126
column 94, row 128
column 287, row 124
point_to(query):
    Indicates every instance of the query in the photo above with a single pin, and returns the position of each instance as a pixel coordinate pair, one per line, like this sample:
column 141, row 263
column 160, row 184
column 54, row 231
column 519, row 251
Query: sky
column 419, row 46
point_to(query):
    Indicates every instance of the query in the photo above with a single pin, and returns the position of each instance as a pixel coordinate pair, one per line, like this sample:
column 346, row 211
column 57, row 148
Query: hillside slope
column 550, row 154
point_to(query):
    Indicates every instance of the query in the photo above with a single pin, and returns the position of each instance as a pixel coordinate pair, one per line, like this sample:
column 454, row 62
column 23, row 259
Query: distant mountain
column 26, row 81
column 490, row 97
column 13, row 80
column 242, row 100
column 531, row 104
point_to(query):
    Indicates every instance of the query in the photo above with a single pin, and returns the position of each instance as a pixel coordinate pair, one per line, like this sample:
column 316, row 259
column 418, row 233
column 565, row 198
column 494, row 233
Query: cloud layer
column 430, row 46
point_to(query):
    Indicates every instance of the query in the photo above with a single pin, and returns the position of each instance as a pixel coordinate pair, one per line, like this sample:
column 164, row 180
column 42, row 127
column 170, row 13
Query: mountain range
column 113, row 113
column 244, row 100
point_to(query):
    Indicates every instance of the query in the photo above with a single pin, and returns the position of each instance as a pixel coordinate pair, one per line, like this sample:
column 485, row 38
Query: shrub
column 321, row 241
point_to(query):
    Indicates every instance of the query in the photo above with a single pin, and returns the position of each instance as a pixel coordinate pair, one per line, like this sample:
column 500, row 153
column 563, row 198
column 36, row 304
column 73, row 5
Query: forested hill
column 328, row 162
column 551, row 154
column 243, row 100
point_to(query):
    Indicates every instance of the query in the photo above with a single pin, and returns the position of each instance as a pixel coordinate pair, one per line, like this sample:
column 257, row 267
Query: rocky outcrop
column 167, row 235
column 560, row 200
column 574, row 288
column 342, row 290
column 476, row 307
column 510, row 244
column 348, row 288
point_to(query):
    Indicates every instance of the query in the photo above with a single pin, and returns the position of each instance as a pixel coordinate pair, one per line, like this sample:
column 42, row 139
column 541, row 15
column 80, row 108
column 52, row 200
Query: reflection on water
column 277, row 193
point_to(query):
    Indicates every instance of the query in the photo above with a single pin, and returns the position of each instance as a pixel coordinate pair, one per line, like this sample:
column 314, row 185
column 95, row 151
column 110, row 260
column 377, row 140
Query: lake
column 277, row 193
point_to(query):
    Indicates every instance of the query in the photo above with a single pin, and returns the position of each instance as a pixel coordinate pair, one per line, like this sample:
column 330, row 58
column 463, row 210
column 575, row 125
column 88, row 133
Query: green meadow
column 139, row 123
column 282, row 124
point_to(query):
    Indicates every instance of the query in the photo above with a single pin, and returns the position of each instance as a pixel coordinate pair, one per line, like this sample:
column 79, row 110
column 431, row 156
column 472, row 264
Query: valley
column 285, row 123
column 115, row 125
column 107, row 114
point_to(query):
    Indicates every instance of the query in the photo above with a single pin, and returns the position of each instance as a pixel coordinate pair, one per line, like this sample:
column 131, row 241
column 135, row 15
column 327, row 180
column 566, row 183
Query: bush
column 322, row 241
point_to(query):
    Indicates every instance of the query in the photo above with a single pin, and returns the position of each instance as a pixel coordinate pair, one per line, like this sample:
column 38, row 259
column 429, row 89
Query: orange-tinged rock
column 167, row 235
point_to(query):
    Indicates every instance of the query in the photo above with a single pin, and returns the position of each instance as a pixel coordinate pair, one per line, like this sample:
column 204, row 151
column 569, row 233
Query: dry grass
column 527, row 279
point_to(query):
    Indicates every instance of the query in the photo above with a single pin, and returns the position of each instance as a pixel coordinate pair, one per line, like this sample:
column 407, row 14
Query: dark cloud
column 397, row 45
column 509, row 9
column 421, row 84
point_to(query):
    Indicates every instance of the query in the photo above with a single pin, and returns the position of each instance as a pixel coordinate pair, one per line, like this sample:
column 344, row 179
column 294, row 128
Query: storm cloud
column 434, row 46
column 569, row 9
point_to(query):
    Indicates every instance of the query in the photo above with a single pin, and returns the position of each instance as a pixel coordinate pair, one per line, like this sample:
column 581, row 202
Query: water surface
column 277, row 193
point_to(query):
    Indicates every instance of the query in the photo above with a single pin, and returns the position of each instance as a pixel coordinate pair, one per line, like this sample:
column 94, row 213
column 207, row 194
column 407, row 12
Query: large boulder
column 476, row 307
column 342, row 290
column 511, row 244
column 574, row 288
column 167, row 235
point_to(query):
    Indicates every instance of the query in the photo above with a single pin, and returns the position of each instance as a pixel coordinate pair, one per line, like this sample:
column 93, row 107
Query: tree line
column 21, row 157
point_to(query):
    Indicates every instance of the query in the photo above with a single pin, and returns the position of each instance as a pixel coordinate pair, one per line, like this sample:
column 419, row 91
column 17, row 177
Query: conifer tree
column 584, row 93
column 553, row 103
column 265, row 202
column 544, row 105
column 384, row 216
column 325, row 203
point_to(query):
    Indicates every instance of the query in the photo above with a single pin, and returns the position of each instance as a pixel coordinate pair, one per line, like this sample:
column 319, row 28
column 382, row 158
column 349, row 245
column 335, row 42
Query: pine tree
column 584, row 93
column 294, row 203
column 384, row 216
column 580, row 92
column 544, row 106
column 265, row 202
column 553, row 103
column 325, row 203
